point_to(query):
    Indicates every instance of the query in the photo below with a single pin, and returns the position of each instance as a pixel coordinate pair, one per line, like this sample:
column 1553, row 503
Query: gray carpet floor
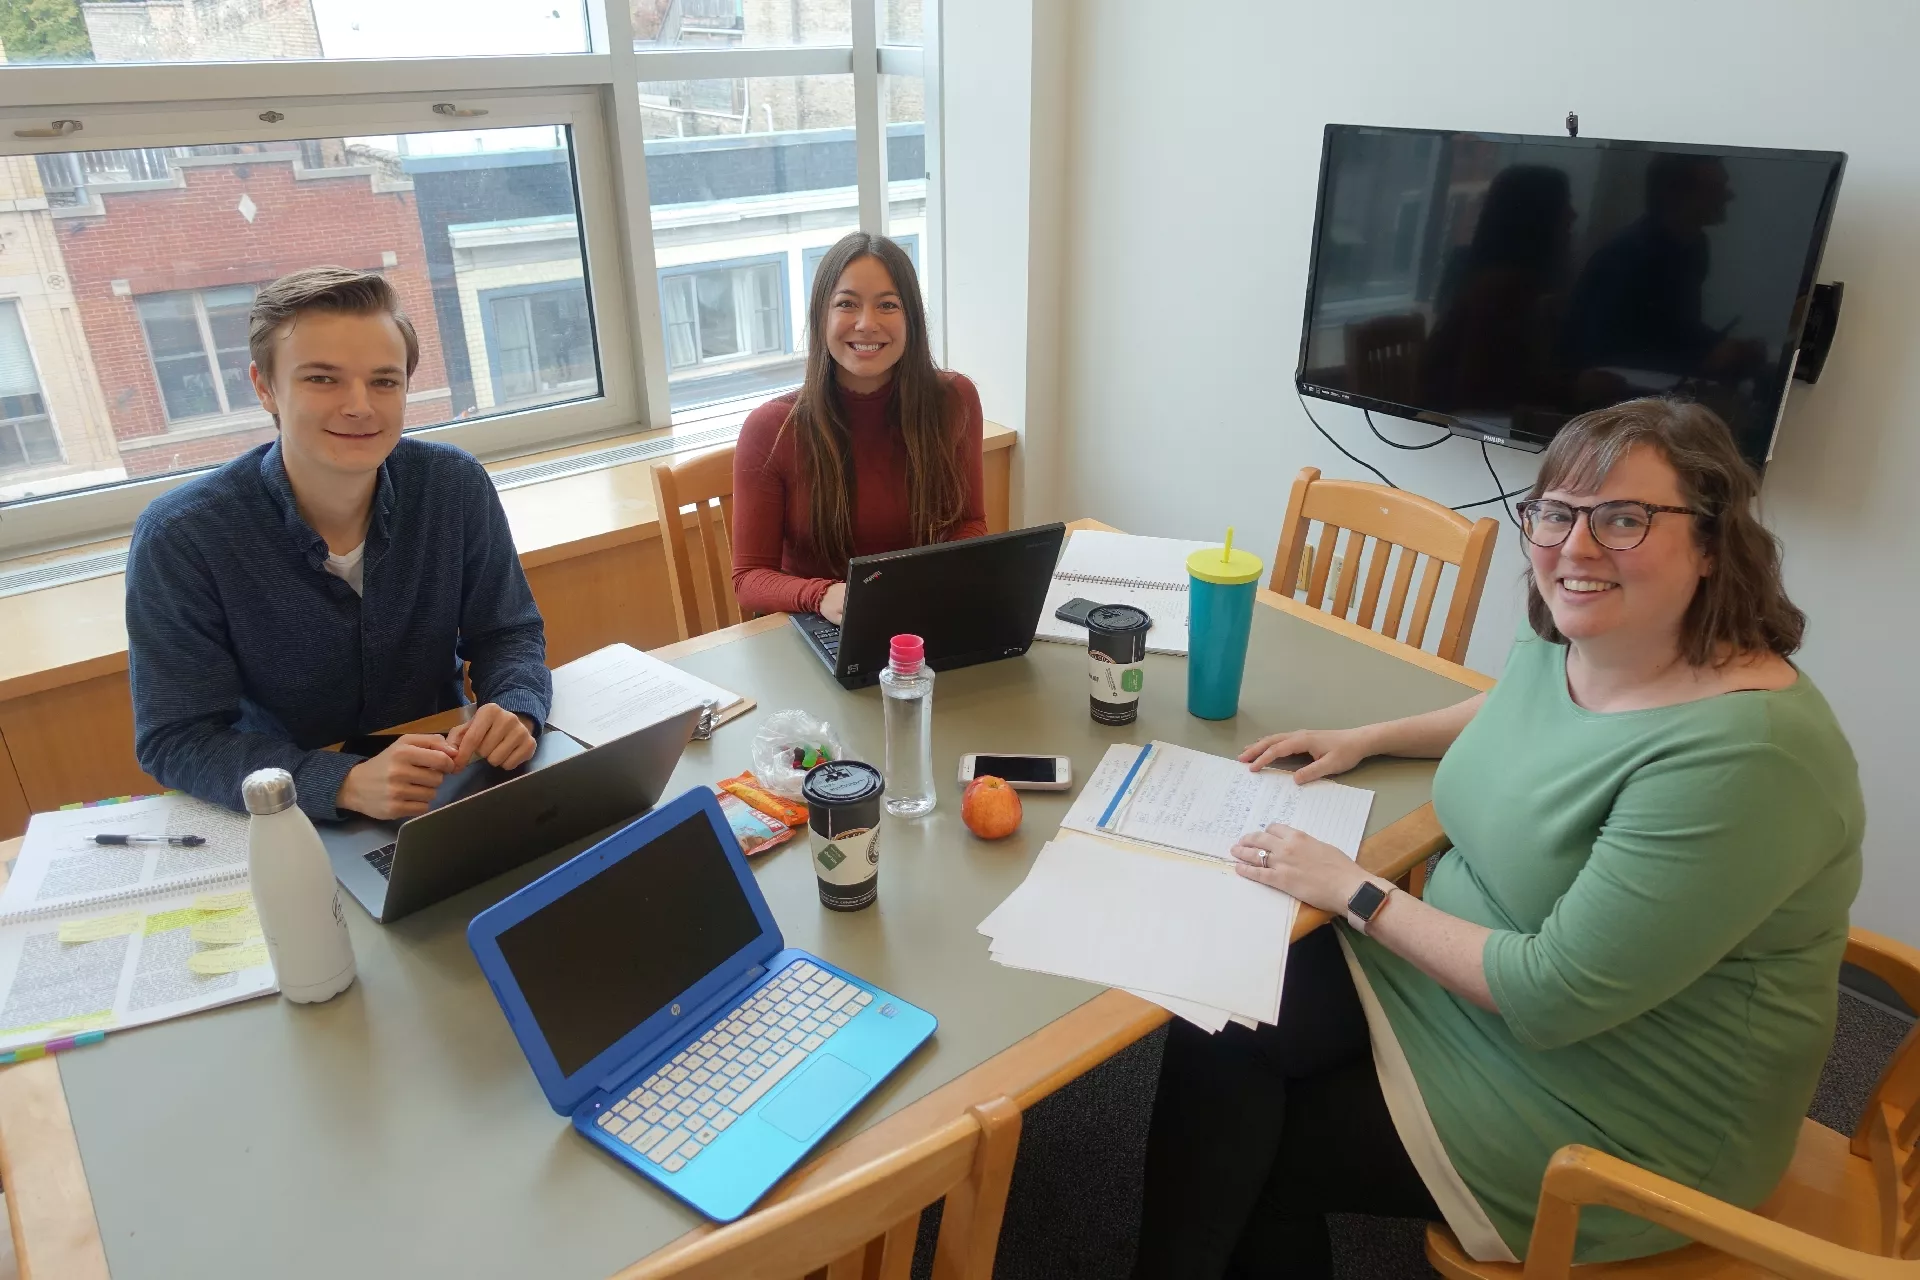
column 1073, row 1213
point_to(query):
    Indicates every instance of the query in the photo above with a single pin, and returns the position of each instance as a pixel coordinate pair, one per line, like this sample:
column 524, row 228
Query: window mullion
column 933, row 249
column 626, row 144
column 869, row 126
column 210, row 352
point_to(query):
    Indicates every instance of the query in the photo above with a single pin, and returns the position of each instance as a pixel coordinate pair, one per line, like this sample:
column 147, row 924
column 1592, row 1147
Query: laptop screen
column 604, row 957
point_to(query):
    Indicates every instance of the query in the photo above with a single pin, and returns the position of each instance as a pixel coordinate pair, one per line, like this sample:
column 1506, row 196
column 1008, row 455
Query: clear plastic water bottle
column 294, row 892
column 906, row 689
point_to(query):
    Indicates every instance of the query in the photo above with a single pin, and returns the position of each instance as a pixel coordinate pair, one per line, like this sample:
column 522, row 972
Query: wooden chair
column 1418, row 527
column 1846, row 1210
column 703, row 481
column 862, row 1224
column 1383, row 357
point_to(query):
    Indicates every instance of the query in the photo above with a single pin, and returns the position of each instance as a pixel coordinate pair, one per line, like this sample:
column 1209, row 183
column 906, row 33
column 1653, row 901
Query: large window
column 197, row 340
column 27, row 437
column 539, row 343
column 588, row 238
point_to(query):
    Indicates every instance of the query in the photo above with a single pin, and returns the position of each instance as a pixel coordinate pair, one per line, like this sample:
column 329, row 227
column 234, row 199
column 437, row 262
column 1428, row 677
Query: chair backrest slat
column 1397, row 599
column 1389, row 518
column 1423, row 603
column 1376, row 576
column 698, row 482
column 1322, row 566
column 1349, row 572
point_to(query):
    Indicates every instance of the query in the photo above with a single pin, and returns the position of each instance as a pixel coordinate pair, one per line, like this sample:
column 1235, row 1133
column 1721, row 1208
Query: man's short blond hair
column 331, row 289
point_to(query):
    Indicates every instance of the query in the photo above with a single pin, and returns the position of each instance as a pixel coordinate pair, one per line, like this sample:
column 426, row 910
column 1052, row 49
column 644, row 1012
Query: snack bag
column 748, row 788
column 755, row 831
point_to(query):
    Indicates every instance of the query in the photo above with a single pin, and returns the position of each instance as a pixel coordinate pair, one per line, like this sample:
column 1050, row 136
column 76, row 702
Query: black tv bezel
column 1533, row 442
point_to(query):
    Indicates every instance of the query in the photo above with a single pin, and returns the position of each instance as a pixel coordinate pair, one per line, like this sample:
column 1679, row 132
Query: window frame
column 27, row 468
column 720, row 364
column 488, row 330
column 593, row 94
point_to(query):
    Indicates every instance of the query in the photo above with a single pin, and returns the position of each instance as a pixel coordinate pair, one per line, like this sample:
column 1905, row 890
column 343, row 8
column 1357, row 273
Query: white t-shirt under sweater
column 348, row 569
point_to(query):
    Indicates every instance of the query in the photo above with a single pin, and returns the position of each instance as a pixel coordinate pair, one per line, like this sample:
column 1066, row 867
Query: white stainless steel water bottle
column 906, row 688
column 295, row 893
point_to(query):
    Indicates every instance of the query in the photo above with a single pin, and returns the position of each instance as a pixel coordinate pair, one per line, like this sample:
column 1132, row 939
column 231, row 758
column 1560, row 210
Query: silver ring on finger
column 1263, row 857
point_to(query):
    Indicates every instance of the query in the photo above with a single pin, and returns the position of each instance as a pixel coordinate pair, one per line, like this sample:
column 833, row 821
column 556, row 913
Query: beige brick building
column 54, row 431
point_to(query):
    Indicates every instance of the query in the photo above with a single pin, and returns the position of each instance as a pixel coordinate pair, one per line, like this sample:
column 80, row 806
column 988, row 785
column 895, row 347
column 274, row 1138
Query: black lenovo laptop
column 975, row 600
column 485, row 821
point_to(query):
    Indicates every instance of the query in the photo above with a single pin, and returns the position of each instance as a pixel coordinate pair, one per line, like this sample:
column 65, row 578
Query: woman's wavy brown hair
column 918, row 408
column 1741, row 606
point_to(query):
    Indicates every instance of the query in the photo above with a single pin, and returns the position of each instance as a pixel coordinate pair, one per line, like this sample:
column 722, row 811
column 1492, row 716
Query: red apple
column 990, row 808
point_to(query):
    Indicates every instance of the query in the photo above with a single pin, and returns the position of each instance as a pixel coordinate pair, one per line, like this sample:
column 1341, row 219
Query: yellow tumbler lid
column 1226, row 566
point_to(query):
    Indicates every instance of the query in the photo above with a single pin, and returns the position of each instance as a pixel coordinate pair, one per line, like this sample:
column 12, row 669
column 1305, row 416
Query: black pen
column 191, row 842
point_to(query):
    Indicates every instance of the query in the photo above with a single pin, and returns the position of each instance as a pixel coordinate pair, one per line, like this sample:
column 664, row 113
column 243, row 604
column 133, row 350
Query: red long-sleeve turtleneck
column 775, row 566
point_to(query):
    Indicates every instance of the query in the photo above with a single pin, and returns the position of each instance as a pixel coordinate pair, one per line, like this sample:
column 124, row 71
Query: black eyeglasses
column 1617, row 526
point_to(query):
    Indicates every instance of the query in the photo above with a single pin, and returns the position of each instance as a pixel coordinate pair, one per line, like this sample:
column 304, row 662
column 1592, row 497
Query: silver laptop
column 485, row 821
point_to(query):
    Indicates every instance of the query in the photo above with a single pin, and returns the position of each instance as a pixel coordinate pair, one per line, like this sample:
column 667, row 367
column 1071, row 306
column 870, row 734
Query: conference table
column 397, row 1130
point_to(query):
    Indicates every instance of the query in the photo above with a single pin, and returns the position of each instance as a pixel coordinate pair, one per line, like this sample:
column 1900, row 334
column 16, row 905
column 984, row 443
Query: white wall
column 1192, row 162
column 1004, row 113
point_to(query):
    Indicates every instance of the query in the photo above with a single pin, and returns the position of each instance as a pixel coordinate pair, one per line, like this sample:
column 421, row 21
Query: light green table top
column 397, row 1130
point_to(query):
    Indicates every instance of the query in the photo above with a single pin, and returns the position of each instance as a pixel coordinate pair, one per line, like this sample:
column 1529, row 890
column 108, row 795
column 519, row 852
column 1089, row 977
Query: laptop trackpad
column 814, row 1097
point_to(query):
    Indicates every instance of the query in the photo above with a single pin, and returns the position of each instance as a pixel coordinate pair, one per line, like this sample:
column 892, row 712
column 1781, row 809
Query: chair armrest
column 1579, row 1176
column 1893, row 962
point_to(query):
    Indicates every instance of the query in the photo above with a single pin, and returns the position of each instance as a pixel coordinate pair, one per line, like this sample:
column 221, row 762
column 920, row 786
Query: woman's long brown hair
column 917, row 407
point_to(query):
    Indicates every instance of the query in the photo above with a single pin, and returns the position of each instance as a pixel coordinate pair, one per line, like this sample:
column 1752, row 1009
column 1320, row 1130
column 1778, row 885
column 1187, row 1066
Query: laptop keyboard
column 682, row 1108
column 381, row 859
column 826, row 633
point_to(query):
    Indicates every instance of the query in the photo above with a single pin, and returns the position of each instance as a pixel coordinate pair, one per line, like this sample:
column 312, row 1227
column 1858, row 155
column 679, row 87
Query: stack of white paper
column 619, row 690
column 1189, row 935
column 1139, row 891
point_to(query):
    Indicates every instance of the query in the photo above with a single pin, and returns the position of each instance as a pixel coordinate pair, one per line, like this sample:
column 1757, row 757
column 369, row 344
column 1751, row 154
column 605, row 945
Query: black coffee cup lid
column 834, row 782
column 1118, row 619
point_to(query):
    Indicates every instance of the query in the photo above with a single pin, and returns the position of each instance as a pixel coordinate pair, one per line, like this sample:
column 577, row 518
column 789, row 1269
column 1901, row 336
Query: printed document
column 61, row 867
column 619, row 690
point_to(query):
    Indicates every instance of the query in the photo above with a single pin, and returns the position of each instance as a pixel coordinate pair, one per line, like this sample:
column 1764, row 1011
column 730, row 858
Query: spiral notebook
column 62, row 869
column 1121, row 568
column 101, row 937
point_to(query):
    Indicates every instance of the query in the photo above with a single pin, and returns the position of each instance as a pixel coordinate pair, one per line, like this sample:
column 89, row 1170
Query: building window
column 724, row 312
column 197, row 339
column 27, row 437
column 540, row 343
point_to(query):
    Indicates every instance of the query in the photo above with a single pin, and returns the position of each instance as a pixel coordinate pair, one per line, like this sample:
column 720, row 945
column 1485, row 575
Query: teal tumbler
column 1221, row 584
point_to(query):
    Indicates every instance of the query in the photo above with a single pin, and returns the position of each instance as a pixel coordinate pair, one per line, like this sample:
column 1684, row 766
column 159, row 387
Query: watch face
column 1366, row 900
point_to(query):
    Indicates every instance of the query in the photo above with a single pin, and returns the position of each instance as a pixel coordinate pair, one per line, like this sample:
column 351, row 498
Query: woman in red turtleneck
column 878, row 449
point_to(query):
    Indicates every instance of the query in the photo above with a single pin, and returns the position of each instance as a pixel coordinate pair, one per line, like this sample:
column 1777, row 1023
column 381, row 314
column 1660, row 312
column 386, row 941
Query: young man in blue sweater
column 332, row 583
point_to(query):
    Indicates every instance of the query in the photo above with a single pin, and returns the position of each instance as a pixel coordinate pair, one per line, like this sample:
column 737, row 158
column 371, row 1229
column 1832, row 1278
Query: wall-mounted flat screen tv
column 1499, row 284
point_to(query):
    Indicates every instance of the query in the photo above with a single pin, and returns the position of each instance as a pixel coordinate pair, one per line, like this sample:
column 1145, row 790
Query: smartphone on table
column 1021, row 772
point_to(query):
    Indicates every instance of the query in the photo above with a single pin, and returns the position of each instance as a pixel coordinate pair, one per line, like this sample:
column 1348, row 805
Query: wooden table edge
column 49, row 1202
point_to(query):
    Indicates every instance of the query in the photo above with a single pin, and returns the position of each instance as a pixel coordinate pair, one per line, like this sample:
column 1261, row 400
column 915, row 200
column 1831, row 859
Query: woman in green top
column 1634, row 943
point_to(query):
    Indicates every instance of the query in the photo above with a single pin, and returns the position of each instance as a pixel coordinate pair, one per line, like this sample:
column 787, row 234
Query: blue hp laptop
column 660, row 1008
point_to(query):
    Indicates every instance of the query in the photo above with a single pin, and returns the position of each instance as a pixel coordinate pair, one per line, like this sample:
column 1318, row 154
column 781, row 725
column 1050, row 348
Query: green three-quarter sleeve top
column 1668, row 891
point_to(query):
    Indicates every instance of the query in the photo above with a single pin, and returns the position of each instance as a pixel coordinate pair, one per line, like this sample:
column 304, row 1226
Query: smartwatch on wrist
column 1365, row 904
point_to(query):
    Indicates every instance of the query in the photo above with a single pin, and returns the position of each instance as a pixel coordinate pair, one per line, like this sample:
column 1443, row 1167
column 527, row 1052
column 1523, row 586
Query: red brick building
column 164, row 269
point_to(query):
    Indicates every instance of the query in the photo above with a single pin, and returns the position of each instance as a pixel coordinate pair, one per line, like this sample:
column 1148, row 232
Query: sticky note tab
column 228, row 959
column 227, row 929
column 223, row 901
column 100, row 927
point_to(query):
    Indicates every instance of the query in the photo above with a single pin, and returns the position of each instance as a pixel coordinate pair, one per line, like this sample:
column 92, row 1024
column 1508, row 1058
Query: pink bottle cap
column 907, row 653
